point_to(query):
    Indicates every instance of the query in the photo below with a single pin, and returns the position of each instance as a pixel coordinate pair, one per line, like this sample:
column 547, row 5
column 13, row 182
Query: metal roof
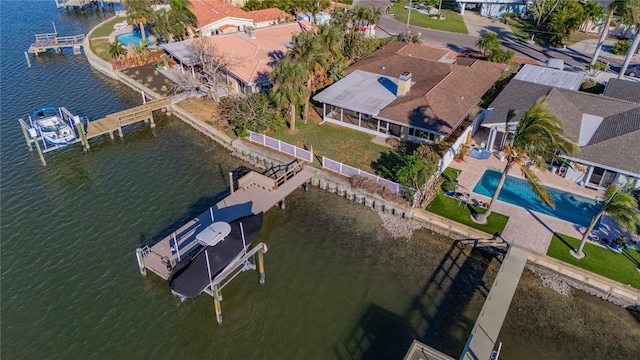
column 361, row 91
column 181, row 51
column 550, row 77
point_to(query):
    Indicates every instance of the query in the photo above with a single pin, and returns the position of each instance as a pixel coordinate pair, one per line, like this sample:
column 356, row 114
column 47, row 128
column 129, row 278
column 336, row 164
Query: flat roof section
column 550, row 77
column 361, row 91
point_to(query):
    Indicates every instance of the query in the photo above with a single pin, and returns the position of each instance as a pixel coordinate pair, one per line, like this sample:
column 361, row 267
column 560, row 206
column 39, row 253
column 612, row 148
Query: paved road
column 457, row 42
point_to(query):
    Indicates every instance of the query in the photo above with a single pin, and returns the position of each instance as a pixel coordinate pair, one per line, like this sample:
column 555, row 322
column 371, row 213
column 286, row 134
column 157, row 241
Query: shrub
column 139, row 80
column 621, row 47
column 372, row 187
column 448, row 185
column 163, row 88
column 149, row 78
column 154, row 88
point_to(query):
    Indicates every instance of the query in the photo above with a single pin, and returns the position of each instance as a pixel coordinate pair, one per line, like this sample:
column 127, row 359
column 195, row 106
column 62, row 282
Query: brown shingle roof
column 210, row 11
column 443, row 93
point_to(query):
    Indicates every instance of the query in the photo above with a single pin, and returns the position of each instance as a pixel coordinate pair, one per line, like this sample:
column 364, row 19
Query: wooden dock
column 51, row 41
column 256, row 192
column 82, row 3
column 113, row 123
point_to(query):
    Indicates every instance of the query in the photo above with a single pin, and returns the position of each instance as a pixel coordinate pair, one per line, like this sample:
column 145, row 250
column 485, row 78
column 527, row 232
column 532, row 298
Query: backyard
column 452, row 20
column 619, row 266
column 150, row 77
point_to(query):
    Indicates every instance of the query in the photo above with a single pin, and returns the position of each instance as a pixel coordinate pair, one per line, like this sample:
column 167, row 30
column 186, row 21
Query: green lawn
column 613, row 265
column 453, row 21
column 524, row 28
column 350, row 147
column 106, row 28
column 450, row 208
column 101, row 48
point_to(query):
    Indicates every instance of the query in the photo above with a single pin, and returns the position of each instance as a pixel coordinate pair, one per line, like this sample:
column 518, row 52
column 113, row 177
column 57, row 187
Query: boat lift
column 32, row 137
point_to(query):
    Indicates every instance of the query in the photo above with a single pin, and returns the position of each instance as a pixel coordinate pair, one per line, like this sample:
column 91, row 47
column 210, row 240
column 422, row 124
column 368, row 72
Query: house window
column 395, row 129
column 422, row 134
column 350, row 117
column 371, row 124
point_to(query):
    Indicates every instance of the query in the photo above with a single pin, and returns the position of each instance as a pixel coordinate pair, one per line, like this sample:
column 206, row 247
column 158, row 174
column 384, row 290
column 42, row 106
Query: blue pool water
column 573, row 208
column 134, row 38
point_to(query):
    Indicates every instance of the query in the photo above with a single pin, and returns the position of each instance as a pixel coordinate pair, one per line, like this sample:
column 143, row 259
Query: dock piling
column 216, row 303
column 26, row 55
column 143, row 269
column 282, row 204
column 261, row 265
column 25, row 132
column 231, row 181
column 44, row 162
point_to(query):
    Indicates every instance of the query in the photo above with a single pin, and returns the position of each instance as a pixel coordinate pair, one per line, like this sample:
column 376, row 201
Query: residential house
column 607, row 128
column 220, row 17
column 409, row 92
column 252, row 53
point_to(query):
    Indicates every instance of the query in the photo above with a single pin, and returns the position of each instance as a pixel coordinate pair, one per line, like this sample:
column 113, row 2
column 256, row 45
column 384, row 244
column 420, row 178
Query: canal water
column 338, row 287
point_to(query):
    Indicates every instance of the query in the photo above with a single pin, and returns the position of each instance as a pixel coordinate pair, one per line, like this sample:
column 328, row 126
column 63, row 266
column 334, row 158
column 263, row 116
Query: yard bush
column 621, row 47
column 372, row 187
column 255, row 112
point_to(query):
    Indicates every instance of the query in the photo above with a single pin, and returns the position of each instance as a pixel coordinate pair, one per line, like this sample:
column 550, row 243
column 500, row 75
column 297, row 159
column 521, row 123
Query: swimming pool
column 569, row 207
column 134, row 38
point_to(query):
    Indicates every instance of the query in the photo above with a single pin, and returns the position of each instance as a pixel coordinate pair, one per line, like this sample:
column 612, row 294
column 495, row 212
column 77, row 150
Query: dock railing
column 289, row 173
column 264, row 140
column 350, row 171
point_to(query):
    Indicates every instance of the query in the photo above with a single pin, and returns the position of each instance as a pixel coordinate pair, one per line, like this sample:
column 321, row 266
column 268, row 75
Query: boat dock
column 51, row 41
column 86, row 130
column 255, row 192
column 82, row 3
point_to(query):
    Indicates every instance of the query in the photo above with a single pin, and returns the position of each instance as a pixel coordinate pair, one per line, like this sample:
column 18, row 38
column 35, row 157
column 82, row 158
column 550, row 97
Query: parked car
column 633, row 70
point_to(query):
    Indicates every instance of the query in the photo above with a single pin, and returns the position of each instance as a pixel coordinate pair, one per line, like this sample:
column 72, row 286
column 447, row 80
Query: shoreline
column 578, row 278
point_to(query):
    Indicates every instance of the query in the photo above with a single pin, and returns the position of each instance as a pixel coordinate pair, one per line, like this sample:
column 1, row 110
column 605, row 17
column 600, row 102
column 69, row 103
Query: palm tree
column 631, row 15
column 538, row 136
column 289, row 90
column 139, row 12
column 615, row 4
column 308, row 49
column 488, row 41
column 116, row 50
column 621, row 206
column 593, row 12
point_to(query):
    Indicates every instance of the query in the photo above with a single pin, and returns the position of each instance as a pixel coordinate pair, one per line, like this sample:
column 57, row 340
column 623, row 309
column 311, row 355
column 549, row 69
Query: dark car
column 633, row 70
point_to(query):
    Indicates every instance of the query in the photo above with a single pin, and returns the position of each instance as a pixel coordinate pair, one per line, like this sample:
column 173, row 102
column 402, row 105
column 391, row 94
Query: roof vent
column 250, row 31
column 382, row 68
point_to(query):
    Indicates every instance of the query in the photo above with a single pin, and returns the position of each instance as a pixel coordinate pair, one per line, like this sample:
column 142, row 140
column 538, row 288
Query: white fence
column 350, row 171
column 453, row 150
column 284, row 147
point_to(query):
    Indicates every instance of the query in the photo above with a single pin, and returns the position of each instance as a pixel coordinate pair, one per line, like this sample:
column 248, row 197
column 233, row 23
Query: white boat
column 49, row 123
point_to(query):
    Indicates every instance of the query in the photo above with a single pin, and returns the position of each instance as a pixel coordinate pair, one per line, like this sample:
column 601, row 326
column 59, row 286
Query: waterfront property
column 606, row 128
column 251, row 54
column 408, row 92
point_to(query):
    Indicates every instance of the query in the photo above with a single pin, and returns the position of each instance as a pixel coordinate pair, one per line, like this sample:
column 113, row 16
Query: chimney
column 404, row 84
column 250, row 31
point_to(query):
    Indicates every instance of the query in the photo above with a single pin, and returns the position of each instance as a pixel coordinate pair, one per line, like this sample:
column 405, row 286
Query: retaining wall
column 212, row 133
column 95, row 62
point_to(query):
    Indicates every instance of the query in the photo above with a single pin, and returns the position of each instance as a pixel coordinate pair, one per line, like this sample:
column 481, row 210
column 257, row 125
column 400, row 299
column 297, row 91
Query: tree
column 631, row 15
column 255, row 112
column 289, row 78
column 488, row 41
column 538, row 136
column 615, row 4
column 308, row 50
column 565, row 19
column 116, row 50
column 593, row 12
column 597, row 68
column 139, row 12
column 211, row 78
column 542, row 10
column 621, row 206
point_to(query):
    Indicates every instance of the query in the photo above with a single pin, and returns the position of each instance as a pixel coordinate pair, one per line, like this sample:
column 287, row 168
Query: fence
column 453, row 150
column 350, row 171
column 276, row 144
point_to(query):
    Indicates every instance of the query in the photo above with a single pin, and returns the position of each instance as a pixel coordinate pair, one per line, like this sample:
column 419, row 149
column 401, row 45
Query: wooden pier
column 51, row 41
column 110, row 124
column 81, row 4
column 257, row 193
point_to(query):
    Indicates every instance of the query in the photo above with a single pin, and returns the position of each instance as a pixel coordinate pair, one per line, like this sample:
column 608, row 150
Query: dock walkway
column 255, row 190
column 52, row 41
column 484, row 334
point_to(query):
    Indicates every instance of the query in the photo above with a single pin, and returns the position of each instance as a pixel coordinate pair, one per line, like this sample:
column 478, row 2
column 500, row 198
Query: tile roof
column 623, row 89
column 614, row 142
column 253, row 59
column 210, row 11
column 443, row 93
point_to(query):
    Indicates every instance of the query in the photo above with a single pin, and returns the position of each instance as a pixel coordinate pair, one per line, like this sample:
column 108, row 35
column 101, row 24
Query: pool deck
column 527, row 230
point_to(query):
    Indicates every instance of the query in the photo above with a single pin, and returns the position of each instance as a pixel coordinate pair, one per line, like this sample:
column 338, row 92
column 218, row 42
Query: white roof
column 181, row 51
column 361, row 91
column 550, row 77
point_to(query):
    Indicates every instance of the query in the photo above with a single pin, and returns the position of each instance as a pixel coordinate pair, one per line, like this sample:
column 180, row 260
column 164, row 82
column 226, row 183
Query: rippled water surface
column 338, row 287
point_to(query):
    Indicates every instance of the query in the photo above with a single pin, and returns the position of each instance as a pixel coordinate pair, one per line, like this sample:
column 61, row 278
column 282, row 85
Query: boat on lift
column 52, row 126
